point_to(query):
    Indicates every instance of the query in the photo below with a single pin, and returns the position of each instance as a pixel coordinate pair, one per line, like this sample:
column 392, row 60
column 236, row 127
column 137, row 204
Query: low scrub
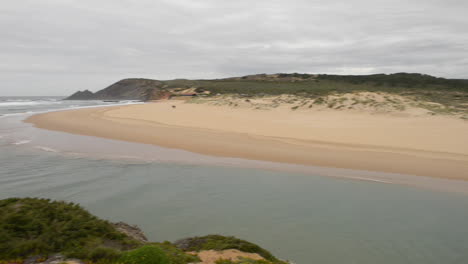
column 176, row 255
column 149, row 254
column 49, row 230
column 40, row 227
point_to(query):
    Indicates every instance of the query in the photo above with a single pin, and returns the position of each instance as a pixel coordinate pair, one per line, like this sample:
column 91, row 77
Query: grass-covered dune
column 400, row 91
column 450, row 95
column 441, row 95
column 34, row 230
column 284, row 83
column 322, row 84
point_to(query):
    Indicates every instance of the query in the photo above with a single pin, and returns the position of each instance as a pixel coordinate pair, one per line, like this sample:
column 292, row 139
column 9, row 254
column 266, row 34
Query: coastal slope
column 41, row 231
column 126, row 89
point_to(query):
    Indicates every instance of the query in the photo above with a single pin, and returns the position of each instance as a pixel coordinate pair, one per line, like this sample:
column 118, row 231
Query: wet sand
column 426, row 146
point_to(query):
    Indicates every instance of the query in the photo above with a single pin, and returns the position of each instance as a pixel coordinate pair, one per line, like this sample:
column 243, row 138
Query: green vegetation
column 408, row 80
column 176, row 255
column 40, row 227
column 145, row 255
column 451, row 94
column 324, row 84
column 43, row 228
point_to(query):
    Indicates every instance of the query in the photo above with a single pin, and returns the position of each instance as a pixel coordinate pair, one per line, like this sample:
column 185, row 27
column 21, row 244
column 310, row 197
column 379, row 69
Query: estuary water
column 306, row 215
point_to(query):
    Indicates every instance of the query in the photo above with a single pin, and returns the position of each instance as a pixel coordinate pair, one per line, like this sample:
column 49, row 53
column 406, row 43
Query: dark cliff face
column 127, row 89
column 81, row 95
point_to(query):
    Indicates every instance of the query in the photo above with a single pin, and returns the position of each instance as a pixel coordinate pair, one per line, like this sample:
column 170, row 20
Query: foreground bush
column 176, row 255
column 145, row 255
column 39, row 227
column 54, row 231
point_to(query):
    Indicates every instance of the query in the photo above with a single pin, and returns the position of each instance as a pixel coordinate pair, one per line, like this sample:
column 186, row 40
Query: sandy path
column 428, row 146
column 211, row 256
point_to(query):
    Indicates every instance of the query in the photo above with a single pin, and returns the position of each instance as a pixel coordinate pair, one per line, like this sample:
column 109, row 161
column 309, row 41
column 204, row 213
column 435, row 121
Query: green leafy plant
column 149, row 254
column 176, row 255
column 31, row 226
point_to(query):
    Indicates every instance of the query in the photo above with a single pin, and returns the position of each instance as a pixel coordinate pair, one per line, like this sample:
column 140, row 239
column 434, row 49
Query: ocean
column 306, row 215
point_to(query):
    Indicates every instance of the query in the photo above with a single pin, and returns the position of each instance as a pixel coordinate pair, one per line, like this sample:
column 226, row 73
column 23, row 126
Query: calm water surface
column 304, row 217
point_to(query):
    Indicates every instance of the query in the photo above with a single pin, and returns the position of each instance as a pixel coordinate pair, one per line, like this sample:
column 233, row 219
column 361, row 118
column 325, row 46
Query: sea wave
column 46, row 149
column 17, row 114
column 27, row 103
column 64, row 107
column 21, row 142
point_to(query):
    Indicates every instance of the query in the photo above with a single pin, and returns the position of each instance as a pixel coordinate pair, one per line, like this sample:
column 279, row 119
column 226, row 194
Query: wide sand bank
column 427, row 146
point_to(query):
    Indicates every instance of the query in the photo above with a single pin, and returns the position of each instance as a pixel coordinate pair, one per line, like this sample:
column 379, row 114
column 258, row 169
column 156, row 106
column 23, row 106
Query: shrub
column 145, row 255
column 106, row 253
column 175, row 255
column 31, row 226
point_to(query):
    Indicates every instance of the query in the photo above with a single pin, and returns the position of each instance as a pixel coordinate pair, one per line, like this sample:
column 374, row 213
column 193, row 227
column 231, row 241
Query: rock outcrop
column 127, row 89
column 132, row 231
column 81, row 95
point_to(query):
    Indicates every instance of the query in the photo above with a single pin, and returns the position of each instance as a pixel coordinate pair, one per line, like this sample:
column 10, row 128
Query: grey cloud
column 58, row 46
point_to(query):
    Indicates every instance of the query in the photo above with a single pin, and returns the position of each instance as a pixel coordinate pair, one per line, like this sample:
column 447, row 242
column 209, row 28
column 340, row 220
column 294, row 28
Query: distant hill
column 127, row 89
column 281, row 83
column 81, row 95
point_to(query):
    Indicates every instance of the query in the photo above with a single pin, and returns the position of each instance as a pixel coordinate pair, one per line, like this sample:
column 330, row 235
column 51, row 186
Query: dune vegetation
column 438, row 95
column 398, row 91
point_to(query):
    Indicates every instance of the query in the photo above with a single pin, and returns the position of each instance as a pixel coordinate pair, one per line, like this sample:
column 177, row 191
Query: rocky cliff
column 127, row 89
column 81, row 95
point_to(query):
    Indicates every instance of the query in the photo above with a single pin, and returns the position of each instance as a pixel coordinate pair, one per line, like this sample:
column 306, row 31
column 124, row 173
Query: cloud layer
column 58, row 46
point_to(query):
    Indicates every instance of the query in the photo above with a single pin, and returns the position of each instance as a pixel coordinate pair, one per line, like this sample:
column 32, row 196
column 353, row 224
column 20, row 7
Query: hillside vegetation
column 296, row 83
column 438, row 95
column 42, row 231
column 375, row 93
column 39, row 227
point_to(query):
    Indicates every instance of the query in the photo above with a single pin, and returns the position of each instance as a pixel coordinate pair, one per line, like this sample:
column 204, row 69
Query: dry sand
column 434, row 146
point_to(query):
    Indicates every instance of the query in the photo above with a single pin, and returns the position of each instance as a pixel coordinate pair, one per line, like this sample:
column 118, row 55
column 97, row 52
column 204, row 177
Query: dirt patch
column 211, row 256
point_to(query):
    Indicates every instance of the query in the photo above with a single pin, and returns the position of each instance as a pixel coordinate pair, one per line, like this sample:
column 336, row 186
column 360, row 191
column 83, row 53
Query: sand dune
column 425, row 145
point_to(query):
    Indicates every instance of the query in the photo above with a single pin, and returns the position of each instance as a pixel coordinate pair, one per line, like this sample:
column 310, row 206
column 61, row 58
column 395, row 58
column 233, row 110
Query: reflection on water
column 299, row 217
column 296, row 212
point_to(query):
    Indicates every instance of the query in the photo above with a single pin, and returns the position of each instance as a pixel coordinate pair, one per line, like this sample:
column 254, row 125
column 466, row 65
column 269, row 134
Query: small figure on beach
column 173, row 106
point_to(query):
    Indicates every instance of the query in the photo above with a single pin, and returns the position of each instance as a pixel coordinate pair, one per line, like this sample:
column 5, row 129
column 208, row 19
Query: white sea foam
column 66, row 108
column 21, row 142
column 99, row 105
column 27, row 103
column 46, row 149
column 369, row 179
column 17, row 114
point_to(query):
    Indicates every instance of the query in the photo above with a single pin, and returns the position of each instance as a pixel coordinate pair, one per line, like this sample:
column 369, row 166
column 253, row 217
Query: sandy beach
column 435, row 146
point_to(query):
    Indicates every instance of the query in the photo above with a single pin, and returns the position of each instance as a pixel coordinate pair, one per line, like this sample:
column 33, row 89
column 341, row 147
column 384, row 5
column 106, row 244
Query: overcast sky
column 55, row 47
